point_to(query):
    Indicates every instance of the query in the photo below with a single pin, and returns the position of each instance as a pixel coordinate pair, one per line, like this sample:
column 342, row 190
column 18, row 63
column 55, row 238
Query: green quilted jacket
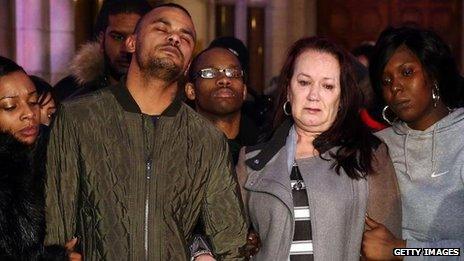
column 133, row 189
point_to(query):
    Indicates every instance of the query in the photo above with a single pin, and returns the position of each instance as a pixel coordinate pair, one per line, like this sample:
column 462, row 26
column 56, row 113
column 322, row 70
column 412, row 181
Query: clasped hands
column 378, row 242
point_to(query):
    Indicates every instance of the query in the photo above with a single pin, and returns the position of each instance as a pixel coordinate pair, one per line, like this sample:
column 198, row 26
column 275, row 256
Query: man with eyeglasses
column 217, row 88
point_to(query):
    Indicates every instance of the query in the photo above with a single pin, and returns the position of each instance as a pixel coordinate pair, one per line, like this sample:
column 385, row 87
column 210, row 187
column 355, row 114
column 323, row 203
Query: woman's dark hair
column 7, row 66
column 348, row 132
column 43, row 89
column 364, row 49
column 433, row 53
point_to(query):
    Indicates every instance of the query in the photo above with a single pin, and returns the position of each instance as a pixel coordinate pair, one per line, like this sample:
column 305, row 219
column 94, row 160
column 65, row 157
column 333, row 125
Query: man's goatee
column 162, row 68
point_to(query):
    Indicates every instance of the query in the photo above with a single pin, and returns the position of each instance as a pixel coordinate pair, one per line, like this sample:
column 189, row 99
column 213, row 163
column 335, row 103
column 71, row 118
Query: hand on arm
column 222, row 210
column 204, row 257
column 72, row 255
column 252, row 248
column 200, row 250
column 253, row 242
column 378, row 242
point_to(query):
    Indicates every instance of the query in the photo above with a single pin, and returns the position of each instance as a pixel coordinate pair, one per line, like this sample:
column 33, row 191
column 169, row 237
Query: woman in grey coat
column 308, row 190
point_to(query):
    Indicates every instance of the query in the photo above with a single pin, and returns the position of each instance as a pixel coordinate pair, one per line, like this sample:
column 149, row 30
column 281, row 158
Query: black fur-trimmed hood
column 21, row 206
column 22, row 222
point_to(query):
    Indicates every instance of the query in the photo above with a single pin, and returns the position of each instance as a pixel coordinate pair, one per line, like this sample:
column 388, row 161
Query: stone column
column 62, row 46
column 276, row 37
column 241, row 18
column 302, row 22
column 286, row 22
column 296, row 21
column 311, row 17
column 211, row 33
column 199, row 11
column 32, row 36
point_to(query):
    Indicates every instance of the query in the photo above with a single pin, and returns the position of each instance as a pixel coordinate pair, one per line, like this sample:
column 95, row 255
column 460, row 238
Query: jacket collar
column 274, row 180
column 270, row 148
column 127, row 102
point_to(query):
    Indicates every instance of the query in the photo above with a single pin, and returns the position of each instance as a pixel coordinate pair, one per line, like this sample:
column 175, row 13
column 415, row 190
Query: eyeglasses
column 211, row 73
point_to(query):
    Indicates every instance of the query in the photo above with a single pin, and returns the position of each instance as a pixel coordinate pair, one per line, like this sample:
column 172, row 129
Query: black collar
column 125, row 99
column 270, row 148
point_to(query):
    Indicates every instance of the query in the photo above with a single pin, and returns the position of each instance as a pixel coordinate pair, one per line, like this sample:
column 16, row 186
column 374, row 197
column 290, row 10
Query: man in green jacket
column 131, row 168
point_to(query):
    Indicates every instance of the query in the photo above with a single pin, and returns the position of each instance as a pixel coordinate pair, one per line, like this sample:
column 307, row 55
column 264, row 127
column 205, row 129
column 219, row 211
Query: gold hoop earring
column 287, row 108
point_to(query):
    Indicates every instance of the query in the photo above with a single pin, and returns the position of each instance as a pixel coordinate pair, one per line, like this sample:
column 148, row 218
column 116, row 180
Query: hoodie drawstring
column 406, row 152
column 433, row 148
column 433, row 159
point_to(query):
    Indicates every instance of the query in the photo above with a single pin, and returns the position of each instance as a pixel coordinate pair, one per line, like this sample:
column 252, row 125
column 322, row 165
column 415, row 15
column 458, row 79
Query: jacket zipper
column 148, row 170
column 147, row 204
column 292, row 218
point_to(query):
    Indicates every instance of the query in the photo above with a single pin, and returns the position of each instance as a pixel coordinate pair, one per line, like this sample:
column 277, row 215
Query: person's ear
column 187, row 69
column 131, row 43
column 101, row 41
column 190, row 91
column 244, row 91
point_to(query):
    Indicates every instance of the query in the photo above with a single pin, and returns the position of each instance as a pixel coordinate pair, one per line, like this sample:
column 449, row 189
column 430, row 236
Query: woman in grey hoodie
column 414, row 71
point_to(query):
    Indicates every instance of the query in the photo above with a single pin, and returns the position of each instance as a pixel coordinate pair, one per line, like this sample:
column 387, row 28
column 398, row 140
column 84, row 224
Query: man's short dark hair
column 114, row 7
column 193, row 65
column 236, row 46
column 173, row 5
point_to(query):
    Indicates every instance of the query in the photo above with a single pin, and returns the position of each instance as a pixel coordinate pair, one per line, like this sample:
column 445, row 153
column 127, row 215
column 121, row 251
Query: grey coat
column 338, row 204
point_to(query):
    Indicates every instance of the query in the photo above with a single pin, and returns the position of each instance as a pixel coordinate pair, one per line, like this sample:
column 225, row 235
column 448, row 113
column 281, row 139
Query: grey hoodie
column 429, row 167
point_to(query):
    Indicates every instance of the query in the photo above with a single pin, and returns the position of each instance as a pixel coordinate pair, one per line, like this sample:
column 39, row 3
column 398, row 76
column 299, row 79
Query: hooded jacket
column 88, row 73
column 429, row 166
column 132, row 189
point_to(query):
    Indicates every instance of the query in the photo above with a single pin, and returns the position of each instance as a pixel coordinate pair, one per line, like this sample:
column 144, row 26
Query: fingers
column 205, row 258
column 372, row 224
column 74, row 256
column 71, row 244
